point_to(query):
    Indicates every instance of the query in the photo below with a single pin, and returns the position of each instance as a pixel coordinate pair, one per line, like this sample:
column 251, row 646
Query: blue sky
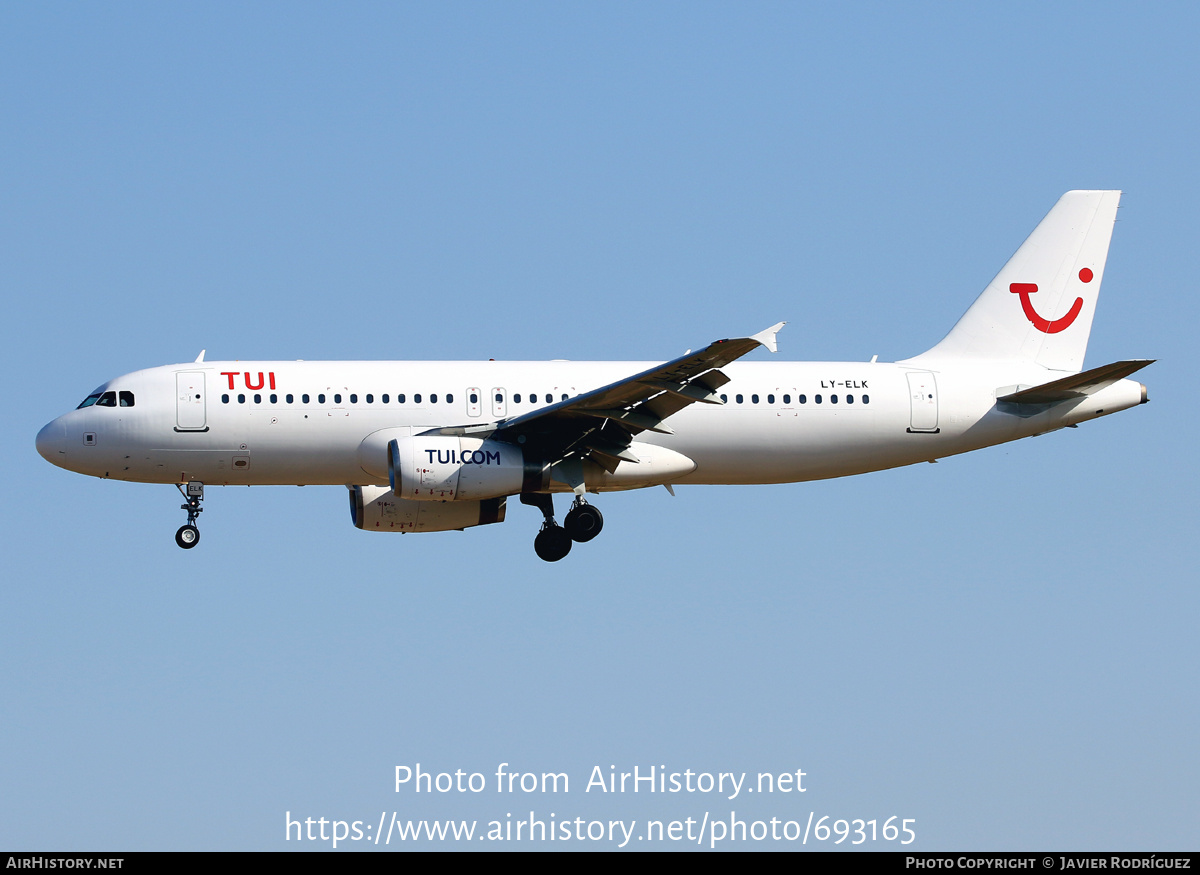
column 1001, row 646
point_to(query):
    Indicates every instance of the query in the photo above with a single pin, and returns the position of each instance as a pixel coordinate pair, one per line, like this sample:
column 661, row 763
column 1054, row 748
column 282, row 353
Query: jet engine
column 377, row 509
column 438, row 468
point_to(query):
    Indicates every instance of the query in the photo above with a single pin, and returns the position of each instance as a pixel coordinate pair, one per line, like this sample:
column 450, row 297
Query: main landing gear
column 582, row 523
column 188, row 535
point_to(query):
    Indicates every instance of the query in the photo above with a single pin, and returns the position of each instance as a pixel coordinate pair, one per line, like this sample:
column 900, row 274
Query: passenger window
column 517, row 398
column 433, row 398
column 241, row 399
column 833, row 399
column 499, row 398
column 108, row 399
column 400, row 398
column 549, row 398
column 737, row 398
column 753, row 399
column 866, row 399
column 475, row 398
column 225, row 398
column 370, row 399
column 803, row 399
column 787, row 399
column 289, row 398
column 274, row 398
column 257, row 398
column 126, row 399
column 565, row 396
column 817, row 398
column 321, row 398
column 354, row 398
column 416, row 399
column 725, row 398
column 849, row 399
column 449, row 399
column 770, row 399
column 384, row 399
column 88, row 401
column 337, row 397
column 304, row 398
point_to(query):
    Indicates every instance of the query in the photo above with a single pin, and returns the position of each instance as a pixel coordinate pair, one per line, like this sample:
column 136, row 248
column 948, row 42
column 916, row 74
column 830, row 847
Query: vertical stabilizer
column 1039, row 307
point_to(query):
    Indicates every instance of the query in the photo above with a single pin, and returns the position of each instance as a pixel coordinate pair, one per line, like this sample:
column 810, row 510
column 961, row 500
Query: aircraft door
column 474, row 397
column 190, row 409
column 922, row 395
column 499, row 402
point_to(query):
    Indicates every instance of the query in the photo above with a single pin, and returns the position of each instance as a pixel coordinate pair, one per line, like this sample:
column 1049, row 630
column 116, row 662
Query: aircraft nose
column 51, row 443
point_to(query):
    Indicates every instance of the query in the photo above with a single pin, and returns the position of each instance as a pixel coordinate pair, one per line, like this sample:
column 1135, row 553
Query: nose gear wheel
column 187, row 537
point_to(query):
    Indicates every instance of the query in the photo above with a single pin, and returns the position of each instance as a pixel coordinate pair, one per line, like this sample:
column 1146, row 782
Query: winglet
column 767, row 338
column 200, row 357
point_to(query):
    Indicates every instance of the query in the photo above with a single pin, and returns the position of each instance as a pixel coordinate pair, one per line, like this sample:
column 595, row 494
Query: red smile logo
column 1048, row 326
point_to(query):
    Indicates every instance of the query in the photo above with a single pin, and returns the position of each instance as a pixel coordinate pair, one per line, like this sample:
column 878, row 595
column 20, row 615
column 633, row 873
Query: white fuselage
column 249, row 423
column 437, row 446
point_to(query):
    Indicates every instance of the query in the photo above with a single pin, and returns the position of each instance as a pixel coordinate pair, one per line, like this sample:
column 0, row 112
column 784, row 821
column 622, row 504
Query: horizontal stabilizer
column 1076, row 385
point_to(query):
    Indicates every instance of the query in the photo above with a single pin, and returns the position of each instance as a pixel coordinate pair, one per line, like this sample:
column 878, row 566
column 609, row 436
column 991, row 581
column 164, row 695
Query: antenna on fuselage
column 200, row 357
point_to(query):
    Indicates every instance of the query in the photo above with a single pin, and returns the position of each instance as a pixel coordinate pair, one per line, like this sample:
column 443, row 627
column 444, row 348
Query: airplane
column 437, row 446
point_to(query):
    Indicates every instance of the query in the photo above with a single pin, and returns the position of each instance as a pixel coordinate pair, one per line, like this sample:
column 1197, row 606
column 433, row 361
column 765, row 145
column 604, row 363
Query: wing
column 601, row 424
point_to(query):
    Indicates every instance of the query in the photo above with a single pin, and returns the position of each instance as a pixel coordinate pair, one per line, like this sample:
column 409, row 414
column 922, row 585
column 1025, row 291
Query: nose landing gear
column 188, row 535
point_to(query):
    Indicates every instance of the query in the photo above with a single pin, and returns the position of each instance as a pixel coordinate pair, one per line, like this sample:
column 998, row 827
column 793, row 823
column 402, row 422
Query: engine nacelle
column 439, row 468
column 377, row 509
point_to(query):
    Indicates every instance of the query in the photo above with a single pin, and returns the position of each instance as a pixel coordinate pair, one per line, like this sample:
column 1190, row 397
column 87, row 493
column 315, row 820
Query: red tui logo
column 1048, row 326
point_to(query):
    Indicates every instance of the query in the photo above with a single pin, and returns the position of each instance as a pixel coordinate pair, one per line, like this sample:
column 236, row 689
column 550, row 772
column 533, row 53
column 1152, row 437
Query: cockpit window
column 88, row 401
column 126, row 399
column 108, row 399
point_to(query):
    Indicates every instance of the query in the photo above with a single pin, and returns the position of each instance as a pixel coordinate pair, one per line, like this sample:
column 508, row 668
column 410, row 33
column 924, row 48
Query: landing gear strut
column 552, row 542
column 188, row 535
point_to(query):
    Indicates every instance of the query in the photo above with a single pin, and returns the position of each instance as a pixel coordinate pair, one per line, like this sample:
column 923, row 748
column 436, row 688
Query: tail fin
column 1039, row 307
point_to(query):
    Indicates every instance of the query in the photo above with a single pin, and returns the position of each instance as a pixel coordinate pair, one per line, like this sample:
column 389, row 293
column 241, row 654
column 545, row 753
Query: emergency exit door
column 190, row 412
column 922, row 395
